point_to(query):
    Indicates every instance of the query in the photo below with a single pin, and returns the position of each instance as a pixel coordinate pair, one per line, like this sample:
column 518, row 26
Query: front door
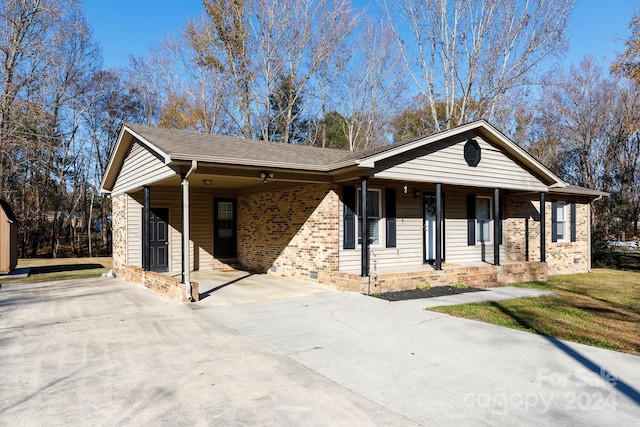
column 159, row 240
column 430, row 227
column 224, row 228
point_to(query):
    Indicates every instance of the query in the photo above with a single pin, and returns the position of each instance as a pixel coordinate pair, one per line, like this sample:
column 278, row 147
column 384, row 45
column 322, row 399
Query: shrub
column 424, row 287
column 460, row 285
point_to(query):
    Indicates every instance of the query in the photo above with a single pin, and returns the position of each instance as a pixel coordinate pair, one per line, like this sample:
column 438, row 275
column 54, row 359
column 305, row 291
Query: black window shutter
column 349, row 200
column 554, row 221
column 390, row 212
column 573, row 221
column 471, row 219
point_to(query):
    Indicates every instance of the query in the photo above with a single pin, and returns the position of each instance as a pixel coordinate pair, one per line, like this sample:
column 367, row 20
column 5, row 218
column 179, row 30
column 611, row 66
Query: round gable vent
column 472, row 153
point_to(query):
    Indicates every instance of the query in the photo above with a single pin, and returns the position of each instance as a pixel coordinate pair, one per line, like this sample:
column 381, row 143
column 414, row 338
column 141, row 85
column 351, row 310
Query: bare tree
column 25, row 35
column 587, row 131
column 192, row 95
column 295, row 39
column 76, row 60
column 224, row 45
column 372, row 87
column 579, row 110
column 470, row 54
column 628, row 63
column 258, row 44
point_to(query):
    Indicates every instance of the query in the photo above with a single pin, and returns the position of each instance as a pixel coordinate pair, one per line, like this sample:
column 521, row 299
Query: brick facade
column 485, row 276
column 571, row 257
column 119, row 232
column 522, row 233
column 159, row 283
column 292, row 232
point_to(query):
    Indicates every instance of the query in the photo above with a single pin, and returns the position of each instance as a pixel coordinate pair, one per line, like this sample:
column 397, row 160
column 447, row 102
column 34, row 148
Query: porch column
column 364, row 229
column 146, row 220
column 438, row 227
column 543, row 228
column 186, row 259
column 496, row 226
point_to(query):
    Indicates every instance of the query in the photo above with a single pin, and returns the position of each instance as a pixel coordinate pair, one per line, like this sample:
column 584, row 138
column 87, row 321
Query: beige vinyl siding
column 202, row 228
column 444, row 163
column 140, row 167
column 162, row 197
column 409, row 249
column 457, row 250
column 201, row 244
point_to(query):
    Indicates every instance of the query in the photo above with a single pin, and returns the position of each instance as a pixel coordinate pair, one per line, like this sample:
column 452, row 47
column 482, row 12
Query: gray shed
column 8, row 239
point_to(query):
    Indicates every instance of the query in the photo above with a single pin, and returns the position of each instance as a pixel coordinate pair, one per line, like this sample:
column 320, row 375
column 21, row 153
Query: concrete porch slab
column 219, row 288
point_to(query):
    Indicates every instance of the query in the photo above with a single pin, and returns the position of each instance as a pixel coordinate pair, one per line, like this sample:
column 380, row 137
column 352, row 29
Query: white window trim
column 381, row 236
column 562, row 220
column 490, row 237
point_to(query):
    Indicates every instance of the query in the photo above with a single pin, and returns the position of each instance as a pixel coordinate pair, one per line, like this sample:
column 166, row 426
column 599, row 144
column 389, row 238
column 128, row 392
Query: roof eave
column 232, row 161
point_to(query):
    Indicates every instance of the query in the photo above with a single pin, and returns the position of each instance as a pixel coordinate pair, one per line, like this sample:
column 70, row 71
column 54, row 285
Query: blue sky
column 130, row 27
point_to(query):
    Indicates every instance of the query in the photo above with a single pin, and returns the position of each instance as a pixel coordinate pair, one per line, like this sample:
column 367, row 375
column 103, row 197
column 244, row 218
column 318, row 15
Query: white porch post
column 497, row 232
column 186, row 220
column 186, row 259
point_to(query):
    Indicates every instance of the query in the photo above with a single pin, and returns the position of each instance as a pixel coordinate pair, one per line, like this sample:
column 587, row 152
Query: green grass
column 601, row 308
column 50, row 269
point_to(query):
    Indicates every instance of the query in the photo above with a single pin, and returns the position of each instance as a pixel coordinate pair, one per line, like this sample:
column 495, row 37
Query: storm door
column 429, row 227
column 224, row 228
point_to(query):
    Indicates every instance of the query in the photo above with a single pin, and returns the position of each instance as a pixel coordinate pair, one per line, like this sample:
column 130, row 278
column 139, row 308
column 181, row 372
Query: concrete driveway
column 104, row 352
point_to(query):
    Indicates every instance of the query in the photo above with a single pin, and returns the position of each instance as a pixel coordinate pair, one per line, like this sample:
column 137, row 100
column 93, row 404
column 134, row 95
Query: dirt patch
column 436, row 291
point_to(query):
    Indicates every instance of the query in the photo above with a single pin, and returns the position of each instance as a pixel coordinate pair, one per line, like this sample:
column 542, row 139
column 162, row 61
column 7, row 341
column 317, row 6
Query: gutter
column 186, row 219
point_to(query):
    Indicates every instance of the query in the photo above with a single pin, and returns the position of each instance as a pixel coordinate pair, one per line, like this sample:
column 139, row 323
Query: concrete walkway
column 104, row 352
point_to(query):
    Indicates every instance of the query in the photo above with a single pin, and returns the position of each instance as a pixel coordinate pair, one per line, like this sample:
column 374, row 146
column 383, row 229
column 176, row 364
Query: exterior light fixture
column 207, row 181
column 405, row 189
column 265, row 176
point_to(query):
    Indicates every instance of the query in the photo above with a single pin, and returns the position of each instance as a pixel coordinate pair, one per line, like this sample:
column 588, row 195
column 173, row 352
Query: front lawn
column 50, row 269
column 601, row 308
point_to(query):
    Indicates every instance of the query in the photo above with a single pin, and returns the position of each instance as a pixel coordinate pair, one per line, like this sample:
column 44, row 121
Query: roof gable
column 444, row 162
column 460, row 134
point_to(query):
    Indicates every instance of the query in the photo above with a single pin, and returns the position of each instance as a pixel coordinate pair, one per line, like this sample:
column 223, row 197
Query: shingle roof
column 178, row 145
column 182, row 145
column 575, row 190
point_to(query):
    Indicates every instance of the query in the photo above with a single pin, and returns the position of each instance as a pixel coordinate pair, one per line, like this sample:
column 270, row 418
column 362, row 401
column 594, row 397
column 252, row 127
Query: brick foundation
column 477, row 277
column 159, row 283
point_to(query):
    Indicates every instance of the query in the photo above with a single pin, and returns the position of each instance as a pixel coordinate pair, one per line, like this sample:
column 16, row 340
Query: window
column 483, row 217
column 225, row 219
column 374, row 213
column 559, row 219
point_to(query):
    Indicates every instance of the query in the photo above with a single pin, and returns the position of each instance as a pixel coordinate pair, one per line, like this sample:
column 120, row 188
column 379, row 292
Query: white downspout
column 186, row 252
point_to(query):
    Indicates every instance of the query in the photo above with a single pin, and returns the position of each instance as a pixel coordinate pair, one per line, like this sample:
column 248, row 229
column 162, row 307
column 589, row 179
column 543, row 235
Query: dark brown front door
column 159, row 239
column 224, row 228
